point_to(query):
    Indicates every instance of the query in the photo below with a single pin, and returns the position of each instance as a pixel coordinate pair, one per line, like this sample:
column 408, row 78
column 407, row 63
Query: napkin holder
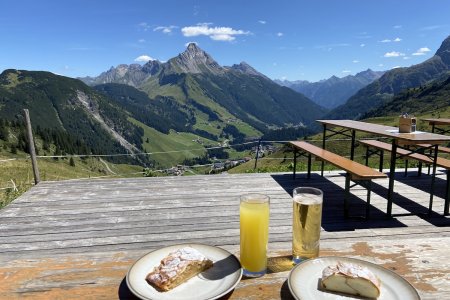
column 406, row 124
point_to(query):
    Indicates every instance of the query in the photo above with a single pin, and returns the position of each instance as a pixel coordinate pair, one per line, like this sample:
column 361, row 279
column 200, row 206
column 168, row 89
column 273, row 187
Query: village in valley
column 219, row 166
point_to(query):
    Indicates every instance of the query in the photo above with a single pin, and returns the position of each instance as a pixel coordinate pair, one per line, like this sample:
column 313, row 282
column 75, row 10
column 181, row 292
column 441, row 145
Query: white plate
column 215, row 282
column 304, row 280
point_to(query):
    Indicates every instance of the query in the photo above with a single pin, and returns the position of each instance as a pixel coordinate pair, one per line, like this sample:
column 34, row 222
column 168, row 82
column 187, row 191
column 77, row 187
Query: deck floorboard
column 126, row 218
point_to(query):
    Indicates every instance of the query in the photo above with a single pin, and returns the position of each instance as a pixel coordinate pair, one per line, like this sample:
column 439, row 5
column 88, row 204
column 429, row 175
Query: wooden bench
column 355, row 172
column 406, row 155
column 441, row 149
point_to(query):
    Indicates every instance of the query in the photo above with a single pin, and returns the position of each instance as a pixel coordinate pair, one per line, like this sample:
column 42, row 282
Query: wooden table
column 77, row 239
column 438, row 124
column 398, row 140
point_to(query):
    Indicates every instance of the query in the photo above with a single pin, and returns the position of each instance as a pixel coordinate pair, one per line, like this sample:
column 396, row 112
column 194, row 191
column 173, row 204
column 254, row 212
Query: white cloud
column 362, row 45
column 143, row 58
column 422, row 51
column 144, row 26
column 141, row 41
column 394, row 54
column 330, row 47
column 215, row 33
column 262, row 22
column 355, row 61
column 389, row 40
column 222, row 37
column 396, row 67
column 432, row 27
column 398, row 26
column 406, row 57
column 165, row 29
column 346, row 71
column 280, row 34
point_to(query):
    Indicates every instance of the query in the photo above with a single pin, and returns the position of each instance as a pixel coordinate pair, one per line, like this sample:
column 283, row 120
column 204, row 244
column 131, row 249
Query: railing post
column 37, row 178
column 257, row 154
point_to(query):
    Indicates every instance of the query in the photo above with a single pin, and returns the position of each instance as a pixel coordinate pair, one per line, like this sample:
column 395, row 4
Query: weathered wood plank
column 101, row 275
column 80, row 237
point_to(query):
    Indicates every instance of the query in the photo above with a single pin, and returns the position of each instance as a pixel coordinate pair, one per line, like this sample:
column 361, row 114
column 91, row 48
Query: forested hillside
column 428, row 98
column 70, row 112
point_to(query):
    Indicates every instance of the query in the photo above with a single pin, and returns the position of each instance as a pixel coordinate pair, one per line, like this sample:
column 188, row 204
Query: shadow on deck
column 334, row 193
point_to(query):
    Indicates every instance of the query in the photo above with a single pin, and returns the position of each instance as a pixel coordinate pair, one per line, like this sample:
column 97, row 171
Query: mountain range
column 384, row 89
column 192, row 101
column 238, row 93
column 134, row 108
column 333, row 91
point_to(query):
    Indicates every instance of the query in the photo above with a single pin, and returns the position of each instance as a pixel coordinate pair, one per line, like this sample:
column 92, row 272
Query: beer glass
column 254, row 233
column 307, row 218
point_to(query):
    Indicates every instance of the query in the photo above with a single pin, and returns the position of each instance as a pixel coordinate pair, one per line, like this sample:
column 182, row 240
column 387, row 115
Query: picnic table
column 420, row 140
column 77, row 239
column 439, row 125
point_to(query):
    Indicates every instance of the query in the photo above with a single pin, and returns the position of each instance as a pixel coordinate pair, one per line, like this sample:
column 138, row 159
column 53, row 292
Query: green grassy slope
column 18, row 169
column 177, row 146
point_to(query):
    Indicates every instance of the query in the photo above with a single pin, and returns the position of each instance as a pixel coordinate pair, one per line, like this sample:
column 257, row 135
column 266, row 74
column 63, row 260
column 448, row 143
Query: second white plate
column 211, row 284
column 304, row 280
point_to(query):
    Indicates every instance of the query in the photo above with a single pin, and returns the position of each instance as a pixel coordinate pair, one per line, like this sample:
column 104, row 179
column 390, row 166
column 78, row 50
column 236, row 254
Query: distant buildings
column 263, row 150
column 221, row 166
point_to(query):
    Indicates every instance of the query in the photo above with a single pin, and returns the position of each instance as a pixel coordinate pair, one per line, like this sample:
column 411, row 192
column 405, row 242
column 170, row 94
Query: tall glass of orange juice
column 254, row 221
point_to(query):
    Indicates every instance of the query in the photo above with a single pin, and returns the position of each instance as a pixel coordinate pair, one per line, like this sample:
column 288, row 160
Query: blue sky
column 306, row 40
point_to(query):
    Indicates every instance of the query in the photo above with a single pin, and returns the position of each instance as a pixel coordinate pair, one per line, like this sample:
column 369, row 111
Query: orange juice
column 254, row 221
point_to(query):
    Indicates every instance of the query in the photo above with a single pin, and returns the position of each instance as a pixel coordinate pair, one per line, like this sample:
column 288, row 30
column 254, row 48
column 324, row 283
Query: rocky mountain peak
column 369, row 74
column 195, row 60
column 444, row 51
column 245, row 68
column 152, row 67
column 194, row 49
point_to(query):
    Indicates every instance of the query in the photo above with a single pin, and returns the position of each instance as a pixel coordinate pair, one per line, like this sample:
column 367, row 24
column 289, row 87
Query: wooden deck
column 77, row 239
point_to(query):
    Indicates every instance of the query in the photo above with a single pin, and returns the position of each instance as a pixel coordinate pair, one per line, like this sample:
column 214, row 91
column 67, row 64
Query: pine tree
column 4, row 133
column 57, row 153
column 46, row 146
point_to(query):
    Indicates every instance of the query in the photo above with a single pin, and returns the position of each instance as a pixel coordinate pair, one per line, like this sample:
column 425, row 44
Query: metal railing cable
column 164, row 152
column 186, row 167
column 144, row 153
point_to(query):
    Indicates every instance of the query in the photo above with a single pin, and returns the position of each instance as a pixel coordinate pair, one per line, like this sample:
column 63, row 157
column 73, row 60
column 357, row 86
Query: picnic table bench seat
column 356, row 172
column 406, row 155
column 442, row 149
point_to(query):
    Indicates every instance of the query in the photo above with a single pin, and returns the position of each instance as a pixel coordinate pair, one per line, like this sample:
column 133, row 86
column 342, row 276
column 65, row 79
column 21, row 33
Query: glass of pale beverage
column 306, row 222
column 254, row 232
